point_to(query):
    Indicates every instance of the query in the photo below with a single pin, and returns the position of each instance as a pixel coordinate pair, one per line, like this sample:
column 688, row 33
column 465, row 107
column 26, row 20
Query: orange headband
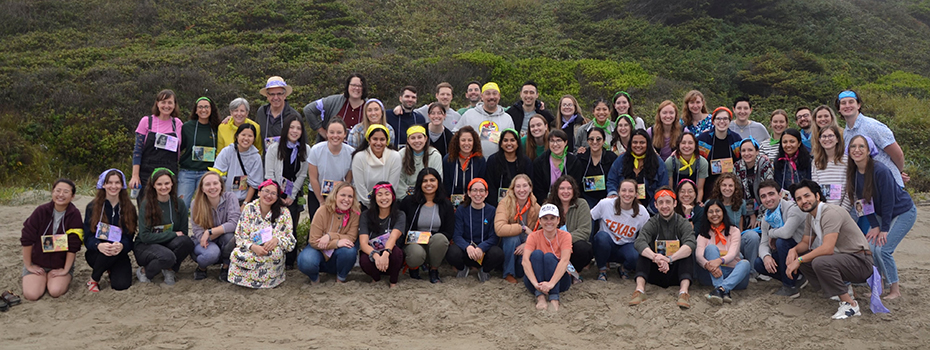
column 477, row 180
column 664, row 193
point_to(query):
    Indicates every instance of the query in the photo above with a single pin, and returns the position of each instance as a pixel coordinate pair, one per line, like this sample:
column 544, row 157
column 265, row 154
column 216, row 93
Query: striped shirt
column 832, row 178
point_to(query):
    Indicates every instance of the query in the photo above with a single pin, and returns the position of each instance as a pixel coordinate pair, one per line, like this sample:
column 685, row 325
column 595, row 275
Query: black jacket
column 541, row 174
column 516, row 113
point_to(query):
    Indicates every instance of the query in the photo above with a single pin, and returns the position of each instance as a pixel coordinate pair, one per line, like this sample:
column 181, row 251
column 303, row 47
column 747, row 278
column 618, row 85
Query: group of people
column 535, row 194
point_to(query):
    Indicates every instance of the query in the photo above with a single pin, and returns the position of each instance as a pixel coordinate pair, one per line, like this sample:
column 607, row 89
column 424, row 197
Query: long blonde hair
column 201, row 212
column 330, row 202
column 658, row 140
column 686, row 115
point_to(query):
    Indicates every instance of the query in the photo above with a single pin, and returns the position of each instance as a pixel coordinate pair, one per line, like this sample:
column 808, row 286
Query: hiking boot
column 199, row 274
column 434, row 276
column 637, row 298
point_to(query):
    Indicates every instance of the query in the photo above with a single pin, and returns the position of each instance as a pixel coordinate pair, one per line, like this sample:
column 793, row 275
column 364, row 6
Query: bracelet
column 723, row 261
column 800, row 259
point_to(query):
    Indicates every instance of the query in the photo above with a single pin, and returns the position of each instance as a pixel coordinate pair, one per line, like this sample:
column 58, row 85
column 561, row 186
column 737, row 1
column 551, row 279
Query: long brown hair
column 820, row 154
column 152, row 209
column 408, row 164
column 658, row 141
column 164, row 95
column 531, row 141
column 737, row 196
column 618, row 209
column 559, row 118
column 127, row 211
column 454, row 143
column 686, row 115
column 868, row 178
column 554, row 195
column 201, row 212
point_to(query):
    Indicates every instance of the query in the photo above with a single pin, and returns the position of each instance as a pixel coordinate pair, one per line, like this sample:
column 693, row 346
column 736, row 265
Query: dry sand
column 459, row 314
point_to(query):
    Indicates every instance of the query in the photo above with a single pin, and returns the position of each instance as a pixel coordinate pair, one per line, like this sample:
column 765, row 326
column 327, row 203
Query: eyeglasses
column 203, row 107
column 556, row 140
column 478, row 190
column 721, row 119
column 60, row 191
column 828, row 136
column 274, row 94
column 568, row 105
column 269, row 192
column 595, row 139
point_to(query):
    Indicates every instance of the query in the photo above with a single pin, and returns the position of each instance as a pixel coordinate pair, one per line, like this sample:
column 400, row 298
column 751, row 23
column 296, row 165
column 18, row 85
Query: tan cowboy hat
column 276, row 82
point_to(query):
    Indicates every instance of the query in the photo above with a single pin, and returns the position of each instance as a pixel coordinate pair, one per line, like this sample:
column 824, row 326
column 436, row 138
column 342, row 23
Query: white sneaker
column 763, row 278
column 141, row 276
column 846, row 310
column 169, row 276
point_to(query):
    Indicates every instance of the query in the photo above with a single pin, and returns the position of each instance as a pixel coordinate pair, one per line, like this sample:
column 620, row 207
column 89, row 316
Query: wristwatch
column 209, row 232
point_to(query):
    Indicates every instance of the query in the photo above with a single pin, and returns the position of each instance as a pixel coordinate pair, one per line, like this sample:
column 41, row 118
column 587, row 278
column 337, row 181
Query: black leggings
column 458, row 258
column 678, row 271
column 290, row 258
column 119, row 266
column 162, row 256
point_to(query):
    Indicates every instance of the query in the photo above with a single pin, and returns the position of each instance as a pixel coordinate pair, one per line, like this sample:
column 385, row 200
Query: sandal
column 93, row 286
column 602, row 276
column 10, row 298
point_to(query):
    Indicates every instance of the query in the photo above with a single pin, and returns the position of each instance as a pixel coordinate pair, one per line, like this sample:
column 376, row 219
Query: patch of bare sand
column 458, row 314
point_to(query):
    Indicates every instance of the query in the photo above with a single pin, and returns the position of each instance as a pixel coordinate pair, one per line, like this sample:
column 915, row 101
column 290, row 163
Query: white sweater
column 367, row 170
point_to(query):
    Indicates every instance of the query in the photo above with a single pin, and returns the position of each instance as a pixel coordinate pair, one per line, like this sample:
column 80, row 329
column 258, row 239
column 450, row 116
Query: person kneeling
column 547, row 263
column 834, row 249
column 718, row 253
column 665, row 244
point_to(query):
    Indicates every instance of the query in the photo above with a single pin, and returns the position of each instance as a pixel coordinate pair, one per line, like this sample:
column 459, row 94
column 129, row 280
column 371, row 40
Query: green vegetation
column 75, row 77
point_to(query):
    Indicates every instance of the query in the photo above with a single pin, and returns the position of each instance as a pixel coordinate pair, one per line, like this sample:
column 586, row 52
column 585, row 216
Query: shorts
column 26, row 272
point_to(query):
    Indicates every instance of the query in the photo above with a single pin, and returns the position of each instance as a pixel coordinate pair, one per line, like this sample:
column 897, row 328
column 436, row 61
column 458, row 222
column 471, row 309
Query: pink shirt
column 161, row 126
column 729, row 252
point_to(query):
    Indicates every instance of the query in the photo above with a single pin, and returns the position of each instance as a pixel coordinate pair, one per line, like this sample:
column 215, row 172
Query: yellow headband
column 374, row 127
column 416, row 129
column 490, row 86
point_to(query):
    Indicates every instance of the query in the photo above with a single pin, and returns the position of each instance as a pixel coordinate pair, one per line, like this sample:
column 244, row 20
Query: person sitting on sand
column 50, row 269
column 550, row 251
column 333, row 232
column 665, row 267
column 378, row 231
column 264, row 235
column 832, row 251
column 717, row 254
column 474, row 236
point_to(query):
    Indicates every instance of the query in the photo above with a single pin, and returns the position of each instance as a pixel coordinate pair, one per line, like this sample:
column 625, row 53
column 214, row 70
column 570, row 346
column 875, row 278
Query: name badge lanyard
column 471, row 230
column 272, row 122
column 599, row 165
column 212, row 136
column 431, row 218
column 455, row 178
column 729, row 150
column 112, row 217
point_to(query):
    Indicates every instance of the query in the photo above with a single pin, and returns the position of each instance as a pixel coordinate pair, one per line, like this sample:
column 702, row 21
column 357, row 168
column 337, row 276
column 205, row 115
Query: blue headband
column 103, row 178
column 847, row 93
column 750, row 139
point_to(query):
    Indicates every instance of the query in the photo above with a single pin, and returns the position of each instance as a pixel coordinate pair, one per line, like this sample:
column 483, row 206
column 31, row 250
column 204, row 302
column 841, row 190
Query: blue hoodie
column 475, row 225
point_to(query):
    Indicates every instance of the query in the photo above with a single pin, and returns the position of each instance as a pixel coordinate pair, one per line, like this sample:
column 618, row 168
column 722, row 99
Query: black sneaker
column 415, row 273
column 726, row 298
column 224, row 275
column 715, row 297
column 434, row 276
column 199, row 274
column 801, row 282
column 790, row 292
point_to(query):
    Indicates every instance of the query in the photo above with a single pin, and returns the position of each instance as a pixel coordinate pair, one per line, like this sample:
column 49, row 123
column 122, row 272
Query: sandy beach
column 458, row 314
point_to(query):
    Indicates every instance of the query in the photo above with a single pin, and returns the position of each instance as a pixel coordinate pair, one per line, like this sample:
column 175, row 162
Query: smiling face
column 803, row 118
column 858, row 149
column 742, row 111
column 769, row 197
column 377, row 141
column 557, row 145
column 429, row 185
column 408, row 99
column 806, row 199
column 62, row 194
column 666, row 206
column 491, row 98
column 245, row 138
column 624, row 128
column 355, row 88
column 528, row 95
column 566, row 191
column 522, row 189
column 163, row 185
column 627, row 193
column 268, row 195
column 727, row 187
column 112, row 185
column 696, row 105
column 595, row 139
column 509, row 143
column 203, row 111
column 638, row 145
column 567, row 107
column 437, row 115
column 478, row 192
column 686, row 146
column 779, row 123
column 239, row 114
column 166, row 106
column 722, row 121
column 473, row 93
column 384, row 198
column 211, row 185
column 466, row 143
column 275, row 97
column 622, row 105
column 537, row 127
column 748, row 151
column 444, row 96
column 549, row 222
column 687, row 194
column 335, row 133
column 828, row 139
column 824, row 118
column 374, row 113
column 849, row 107
column 668, row 115
column 416, row 142
column 345, row 197
column 790, row 144
column 601, row 112
column 294, row 130
column 714, row 214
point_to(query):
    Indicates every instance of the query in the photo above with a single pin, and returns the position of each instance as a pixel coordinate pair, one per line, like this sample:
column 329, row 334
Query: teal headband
column 750, row 139
column 847, row 93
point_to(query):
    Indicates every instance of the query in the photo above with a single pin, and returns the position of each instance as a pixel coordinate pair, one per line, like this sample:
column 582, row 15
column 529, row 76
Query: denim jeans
column 782, row 246
column 513, row 264
column 605, row 251
column 543, row 268
column 212, row 254
column 187, row 184
column 311, row 262
column 749, row 245
column 732, row 277
column 882, row 255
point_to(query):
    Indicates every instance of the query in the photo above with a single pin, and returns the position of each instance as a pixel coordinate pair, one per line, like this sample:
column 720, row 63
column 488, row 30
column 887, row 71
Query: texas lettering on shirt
column 619, row 231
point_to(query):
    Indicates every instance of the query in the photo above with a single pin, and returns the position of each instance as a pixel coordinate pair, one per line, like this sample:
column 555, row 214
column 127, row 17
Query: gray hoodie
column 319, row 112
column 793, row 229
column 492, row 123
column 228, row 163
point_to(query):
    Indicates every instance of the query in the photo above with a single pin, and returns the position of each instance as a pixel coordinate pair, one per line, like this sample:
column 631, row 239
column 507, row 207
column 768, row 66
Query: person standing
column 347, row 106
column 400, row 122
column 271, row 116
column 744, row 126
column 487, row 118
column 148, row 154
column 528, row 106
column 200, row 147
